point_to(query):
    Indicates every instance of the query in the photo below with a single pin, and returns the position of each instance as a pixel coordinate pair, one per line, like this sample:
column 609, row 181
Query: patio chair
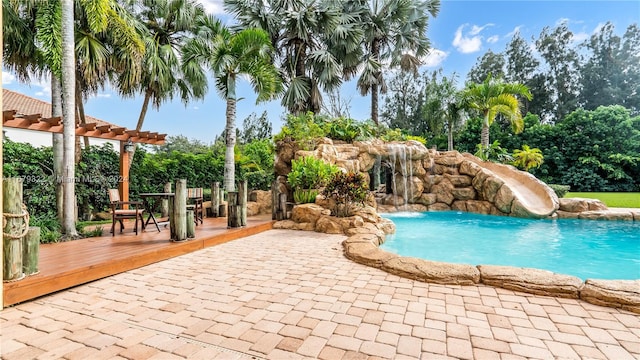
column 195, row 202
column 118, row 213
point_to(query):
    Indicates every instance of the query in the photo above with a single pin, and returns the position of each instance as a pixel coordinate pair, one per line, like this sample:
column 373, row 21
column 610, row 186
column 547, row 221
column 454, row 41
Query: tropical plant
column 394, row 35
column 230, row 56
column 316, row 42
column 348, row 190
column 493, row 153
column 494, row 97
column 527, row 158
column 304, row 129
column 310, row 172
column 344, row 129
column 167, row 25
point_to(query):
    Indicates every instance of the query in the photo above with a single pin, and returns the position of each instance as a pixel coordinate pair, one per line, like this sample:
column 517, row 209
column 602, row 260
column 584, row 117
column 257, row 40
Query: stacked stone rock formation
column 426, row 179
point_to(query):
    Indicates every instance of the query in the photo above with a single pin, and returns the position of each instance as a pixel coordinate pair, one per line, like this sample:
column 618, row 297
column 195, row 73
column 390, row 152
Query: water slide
column 532, row 197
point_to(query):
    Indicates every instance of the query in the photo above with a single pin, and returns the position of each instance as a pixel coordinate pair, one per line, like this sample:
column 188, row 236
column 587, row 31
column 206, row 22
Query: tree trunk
column 374, row 104
column 143, row 111
column 229, row 161
column 83, row 118
column 143, row 114
column 58, row 150
column 375, row 51
column 69, row 106
column 484, row 135
column 450, row 137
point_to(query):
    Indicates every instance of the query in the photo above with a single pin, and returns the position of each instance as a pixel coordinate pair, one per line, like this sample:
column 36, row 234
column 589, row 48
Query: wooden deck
column 64, row 265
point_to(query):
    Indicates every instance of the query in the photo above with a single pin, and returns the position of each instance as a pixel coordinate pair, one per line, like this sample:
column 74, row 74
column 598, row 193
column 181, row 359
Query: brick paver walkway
column 288, row 294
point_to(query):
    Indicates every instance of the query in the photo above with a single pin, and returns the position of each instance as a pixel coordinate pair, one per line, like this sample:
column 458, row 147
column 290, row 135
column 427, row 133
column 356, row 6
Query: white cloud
column 44, row 86
column 475, row 29
column 493, row 39
column 196, row 108
column 469, row 42
column 514, row 31
column 213, row 7
column 103, row 95
column 598, row 28
column 434, row 58
column 579, row 37
column 7, row 78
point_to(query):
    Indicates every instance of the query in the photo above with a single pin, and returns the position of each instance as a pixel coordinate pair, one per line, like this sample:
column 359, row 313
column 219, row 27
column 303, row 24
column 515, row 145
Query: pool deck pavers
column 286, row 294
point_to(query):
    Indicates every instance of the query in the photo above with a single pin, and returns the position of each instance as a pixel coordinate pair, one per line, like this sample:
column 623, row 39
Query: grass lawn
column 624, row 200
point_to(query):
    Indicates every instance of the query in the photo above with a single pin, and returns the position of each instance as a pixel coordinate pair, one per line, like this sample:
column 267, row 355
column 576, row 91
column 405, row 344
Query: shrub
column 493, row 153
column 344, row 129
column 309, row 172
column 560, row 190
column 348, row 190
column 303, row 129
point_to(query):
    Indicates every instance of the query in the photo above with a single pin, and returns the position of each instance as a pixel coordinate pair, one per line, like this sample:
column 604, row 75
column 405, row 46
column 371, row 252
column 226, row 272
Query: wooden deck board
column 72, row 263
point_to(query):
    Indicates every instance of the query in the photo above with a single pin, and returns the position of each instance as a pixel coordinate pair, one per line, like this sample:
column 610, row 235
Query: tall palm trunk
column 68, row 111
column 375, row 51
column 450, row 137
column 58, row 150
column 143, row 114
column 143, row 111
column 83, row 118
column 377, row 166
column 374, row 104
column 484, row 134
column 229, row 161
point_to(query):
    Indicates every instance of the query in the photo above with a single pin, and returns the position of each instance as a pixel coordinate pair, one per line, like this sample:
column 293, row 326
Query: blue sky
column 460, row 34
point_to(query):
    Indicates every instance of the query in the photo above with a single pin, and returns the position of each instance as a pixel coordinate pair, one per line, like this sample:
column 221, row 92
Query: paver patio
column 291, row 294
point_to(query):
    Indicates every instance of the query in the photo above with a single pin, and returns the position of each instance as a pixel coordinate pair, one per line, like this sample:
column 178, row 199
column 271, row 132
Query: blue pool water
column 588, row 249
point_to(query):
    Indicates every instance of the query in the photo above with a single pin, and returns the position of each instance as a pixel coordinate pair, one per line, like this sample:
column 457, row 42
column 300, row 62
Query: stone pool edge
column 623, row 294
column 366, row 230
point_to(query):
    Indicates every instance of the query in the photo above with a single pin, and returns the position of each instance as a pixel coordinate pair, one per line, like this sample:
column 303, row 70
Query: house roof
column 24, row 112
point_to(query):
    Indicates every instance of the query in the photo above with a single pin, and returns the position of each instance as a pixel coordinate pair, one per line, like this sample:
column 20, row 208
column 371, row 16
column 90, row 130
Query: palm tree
column 68, row 111
column 168, row 24
column 495, row 97
column 527, row 158
column 317, row 43
column 394, row 35
column 230, row 56
column 35, row 47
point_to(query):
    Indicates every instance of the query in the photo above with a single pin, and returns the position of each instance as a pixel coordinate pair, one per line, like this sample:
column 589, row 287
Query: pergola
column 14, row 116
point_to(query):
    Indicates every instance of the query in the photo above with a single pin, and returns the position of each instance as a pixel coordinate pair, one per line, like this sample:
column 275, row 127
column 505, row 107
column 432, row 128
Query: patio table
column 152, row 202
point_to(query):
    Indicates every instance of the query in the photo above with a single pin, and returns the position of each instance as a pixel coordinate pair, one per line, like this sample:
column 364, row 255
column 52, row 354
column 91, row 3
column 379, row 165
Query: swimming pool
column 588, row 249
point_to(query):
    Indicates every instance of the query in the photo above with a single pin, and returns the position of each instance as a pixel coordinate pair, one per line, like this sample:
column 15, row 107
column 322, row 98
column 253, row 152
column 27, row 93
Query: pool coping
column 366, row 230
column 363, row 248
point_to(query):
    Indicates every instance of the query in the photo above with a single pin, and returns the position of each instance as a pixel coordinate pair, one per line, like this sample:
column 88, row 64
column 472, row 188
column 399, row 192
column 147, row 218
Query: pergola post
column 123, row 181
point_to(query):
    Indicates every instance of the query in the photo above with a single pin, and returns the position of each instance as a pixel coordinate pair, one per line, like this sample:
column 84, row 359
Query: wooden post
column 164, row 209
column 242, row 203
column 215, row 199
column 180, row 211
column 31, row 251
column 274, row 200
column 123, row 185
column 191, row 224
column 232, row 204
column 283, row 206
column 14, row 229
